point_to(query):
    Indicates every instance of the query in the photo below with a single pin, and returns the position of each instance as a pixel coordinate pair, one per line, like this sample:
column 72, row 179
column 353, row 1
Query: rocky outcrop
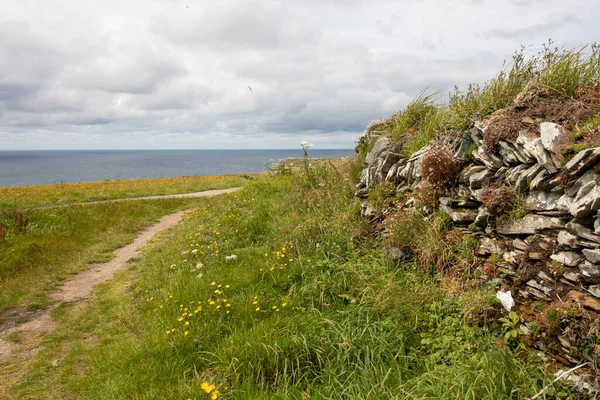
column 549, row 254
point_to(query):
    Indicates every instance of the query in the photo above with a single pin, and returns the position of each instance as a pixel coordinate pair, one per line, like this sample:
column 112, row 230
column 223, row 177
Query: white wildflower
column 231, row 257
column 199, row 266
column 173, row 266
column 200, row 276
column 194, row 251
column 185, row 252
column 305, row 144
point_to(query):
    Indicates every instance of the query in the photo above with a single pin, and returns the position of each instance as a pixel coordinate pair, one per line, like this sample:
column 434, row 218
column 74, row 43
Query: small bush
column 425, row 195
column 20, row 221
column 439, row 167
column 499, row 200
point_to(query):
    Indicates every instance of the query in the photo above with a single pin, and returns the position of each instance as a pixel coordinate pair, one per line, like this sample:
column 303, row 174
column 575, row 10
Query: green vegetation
column 267, row 293
column 554, row 74
column 586, row 135
column 66, row 193
column 54, row 243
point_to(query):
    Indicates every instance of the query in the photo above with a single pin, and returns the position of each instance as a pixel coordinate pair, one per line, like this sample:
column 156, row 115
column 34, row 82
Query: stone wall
column 548, row 257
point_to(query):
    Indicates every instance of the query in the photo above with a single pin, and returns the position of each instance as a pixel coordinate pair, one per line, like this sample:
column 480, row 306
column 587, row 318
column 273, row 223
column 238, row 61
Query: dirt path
column 21, row 331
column 206, row 193
column 79, row 286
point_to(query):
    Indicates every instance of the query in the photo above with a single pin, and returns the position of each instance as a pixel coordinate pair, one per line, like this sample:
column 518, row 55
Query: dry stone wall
column 548, row 256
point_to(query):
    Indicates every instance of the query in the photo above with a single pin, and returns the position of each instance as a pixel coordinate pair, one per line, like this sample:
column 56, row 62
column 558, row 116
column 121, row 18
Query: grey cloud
column 159, row 74
column 547, row 28
column 125, row 70
column 231, row 26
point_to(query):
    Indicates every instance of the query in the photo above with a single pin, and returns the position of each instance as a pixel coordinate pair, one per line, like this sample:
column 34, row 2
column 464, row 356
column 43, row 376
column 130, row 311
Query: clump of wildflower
column 231, row 257
column 439, row 167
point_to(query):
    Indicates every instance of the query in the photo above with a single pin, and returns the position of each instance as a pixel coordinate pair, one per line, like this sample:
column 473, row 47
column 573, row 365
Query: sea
column 20, row 168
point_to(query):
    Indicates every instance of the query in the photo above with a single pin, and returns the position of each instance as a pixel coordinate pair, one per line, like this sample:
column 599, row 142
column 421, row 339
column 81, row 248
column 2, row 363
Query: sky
column 236, row 74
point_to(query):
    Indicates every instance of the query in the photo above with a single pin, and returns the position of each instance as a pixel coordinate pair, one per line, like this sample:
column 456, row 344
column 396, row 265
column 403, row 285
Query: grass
column 40, row 247
column 62, row 241
column 305, row 309
column 65, row 193
column 561, row 74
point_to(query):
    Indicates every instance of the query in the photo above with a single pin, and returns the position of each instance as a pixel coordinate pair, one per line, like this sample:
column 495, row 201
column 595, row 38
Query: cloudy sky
column 176, row 73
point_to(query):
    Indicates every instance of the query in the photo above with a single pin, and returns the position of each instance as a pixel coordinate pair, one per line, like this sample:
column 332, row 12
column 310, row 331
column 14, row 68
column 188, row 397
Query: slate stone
column 529, row 225
column 568, row 258
column 592, row 255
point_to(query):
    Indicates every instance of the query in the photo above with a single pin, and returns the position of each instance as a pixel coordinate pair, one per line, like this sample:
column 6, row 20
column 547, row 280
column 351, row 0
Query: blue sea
column 19, row 168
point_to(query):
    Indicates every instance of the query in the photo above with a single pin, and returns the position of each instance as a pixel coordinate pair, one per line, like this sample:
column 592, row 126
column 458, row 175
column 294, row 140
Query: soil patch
column 506, row 125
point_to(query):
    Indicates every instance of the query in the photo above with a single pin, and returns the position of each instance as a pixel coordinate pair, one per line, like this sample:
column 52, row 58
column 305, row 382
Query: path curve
column 80, row 285
column 206, row 193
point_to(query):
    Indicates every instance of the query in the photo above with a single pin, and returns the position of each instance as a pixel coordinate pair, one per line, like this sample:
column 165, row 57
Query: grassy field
column 48, row 244
column 65, row 193
column 278, row 291
column 62, row 241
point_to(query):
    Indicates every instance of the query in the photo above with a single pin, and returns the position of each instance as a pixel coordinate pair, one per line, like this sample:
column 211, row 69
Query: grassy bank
column 65, row 193
column 277, row 291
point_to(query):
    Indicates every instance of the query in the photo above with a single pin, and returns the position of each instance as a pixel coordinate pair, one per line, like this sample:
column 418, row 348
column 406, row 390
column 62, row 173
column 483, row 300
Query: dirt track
column 80, row 286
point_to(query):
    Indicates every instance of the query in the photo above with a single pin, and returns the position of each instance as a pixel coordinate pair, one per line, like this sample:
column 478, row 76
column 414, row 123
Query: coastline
column 33, row 168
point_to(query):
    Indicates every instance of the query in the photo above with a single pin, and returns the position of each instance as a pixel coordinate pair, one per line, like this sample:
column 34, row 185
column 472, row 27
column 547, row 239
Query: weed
column 14, row 337
column 511, row 327
column 20, row 221
column 439, row 167
column 3, row 233
column 382, row 195
column 411, row 119
column 305, row 146
column 530, row 84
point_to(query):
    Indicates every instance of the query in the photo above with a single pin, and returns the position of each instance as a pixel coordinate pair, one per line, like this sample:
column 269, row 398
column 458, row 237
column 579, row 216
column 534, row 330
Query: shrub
column 499, row 200
column 403, row 228
column 439, row 167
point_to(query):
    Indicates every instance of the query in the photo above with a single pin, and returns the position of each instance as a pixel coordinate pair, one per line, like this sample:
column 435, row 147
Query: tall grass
column 554, row 72
column 306, row 309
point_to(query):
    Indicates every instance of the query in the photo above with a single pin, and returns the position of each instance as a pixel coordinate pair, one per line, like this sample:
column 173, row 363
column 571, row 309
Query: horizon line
column 228, row 149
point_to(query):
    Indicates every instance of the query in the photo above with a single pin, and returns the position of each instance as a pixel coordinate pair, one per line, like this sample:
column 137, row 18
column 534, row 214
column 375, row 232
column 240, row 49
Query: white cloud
column 160, row 74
